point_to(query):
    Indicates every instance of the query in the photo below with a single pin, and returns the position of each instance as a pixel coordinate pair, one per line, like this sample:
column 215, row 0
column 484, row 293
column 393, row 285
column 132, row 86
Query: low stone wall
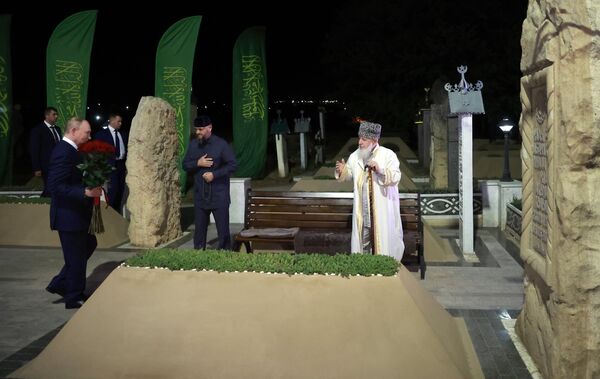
column 514, row 217
column 29, row 225
column 496, row 195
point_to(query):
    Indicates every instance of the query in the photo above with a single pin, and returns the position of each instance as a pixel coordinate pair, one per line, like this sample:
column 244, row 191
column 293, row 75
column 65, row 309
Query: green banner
column 5, row 101
column 250, row 103
column 173, row 83
column 68, row 65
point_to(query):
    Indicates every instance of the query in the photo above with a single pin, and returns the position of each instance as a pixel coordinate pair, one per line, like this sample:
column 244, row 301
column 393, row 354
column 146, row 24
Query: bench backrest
column 309, row 210
column 316, row 210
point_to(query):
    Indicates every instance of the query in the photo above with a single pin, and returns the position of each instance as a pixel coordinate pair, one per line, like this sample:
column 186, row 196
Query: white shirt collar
column 48, row 125
column 112, row 130
column 67, row 140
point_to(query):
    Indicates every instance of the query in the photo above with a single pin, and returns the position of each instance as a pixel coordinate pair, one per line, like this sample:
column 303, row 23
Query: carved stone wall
column 560, row 241
column 152, row 175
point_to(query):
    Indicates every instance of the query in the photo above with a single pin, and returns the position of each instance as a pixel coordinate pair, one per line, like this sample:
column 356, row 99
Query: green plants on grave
column 221, row 261
column 23, row 200
column 517, row 202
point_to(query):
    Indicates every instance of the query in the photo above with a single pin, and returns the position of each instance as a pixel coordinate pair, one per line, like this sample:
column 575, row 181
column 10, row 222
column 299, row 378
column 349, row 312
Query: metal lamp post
column 506, row 126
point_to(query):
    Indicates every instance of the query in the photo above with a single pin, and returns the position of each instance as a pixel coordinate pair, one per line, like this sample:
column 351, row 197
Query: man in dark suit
column 42, row 140
column 71, row 213
column 212, row 161
column 112, row 134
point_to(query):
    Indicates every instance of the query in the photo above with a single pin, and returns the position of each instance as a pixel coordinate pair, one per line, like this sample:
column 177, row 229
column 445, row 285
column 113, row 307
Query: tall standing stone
column 560, row 243
column 438, row 125
column 152, row 175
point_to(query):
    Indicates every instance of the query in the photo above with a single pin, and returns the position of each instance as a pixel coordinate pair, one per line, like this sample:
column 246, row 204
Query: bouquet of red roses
column 96, row 171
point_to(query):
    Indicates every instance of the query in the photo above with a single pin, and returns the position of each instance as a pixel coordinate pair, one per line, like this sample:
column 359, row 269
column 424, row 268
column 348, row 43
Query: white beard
column 365, row 153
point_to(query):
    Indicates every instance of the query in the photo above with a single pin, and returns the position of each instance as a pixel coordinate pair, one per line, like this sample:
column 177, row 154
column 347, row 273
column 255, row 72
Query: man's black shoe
column 74, row 304
column 55, row 291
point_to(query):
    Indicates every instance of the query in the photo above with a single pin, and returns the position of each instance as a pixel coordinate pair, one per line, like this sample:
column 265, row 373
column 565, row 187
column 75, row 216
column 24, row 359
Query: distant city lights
column 102, row 113
column 304, row 101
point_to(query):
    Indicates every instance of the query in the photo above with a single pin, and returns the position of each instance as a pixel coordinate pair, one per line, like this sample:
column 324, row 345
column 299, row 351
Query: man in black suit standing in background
column 113, row 135
column 42, row 140
column 71, row 213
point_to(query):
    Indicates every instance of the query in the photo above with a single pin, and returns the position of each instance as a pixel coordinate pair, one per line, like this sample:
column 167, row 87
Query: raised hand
column 205, row 161
column 339, row 166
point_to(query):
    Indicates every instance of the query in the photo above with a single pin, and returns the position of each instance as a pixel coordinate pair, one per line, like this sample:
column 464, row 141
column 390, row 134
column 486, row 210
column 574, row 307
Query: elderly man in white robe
column 376, row 227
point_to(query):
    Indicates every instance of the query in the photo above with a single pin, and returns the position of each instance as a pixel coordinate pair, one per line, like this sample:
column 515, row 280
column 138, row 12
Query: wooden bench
column 324, row 218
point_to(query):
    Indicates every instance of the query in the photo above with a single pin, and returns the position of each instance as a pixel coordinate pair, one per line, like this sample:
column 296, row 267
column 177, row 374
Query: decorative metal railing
column 446, row 204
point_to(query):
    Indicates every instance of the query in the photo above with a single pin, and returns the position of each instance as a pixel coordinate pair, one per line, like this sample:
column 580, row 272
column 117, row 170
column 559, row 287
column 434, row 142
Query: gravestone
column 560, row 243
column 465, row 100
column 302, row 126
column 280, row 129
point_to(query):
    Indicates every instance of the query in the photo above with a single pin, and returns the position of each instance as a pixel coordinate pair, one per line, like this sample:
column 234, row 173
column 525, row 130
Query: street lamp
column 506, row 126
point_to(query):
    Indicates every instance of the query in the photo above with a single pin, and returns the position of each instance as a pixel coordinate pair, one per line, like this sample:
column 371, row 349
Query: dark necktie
column 117, row 145
column 55, row 134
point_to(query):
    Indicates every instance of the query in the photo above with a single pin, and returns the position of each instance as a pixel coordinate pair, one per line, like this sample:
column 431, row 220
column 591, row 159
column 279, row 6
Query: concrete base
column 436, row 248
column 145, row 323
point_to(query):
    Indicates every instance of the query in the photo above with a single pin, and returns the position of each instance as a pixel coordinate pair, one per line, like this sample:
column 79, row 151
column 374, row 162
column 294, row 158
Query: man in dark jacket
column 212, row 161
column 71, row 213
column 113, row 135
column 42, row 140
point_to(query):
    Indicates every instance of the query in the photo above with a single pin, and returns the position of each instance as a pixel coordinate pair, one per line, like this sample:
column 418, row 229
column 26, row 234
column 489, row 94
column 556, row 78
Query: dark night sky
column 122, row 62
column 123, row 54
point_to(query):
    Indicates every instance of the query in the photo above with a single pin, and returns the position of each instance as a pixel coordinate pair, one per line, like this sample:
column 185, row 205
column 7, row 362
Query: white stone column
column 237, row 191
column 490, row 199
column 466, row 182
column 302, row 126
column 303, row 150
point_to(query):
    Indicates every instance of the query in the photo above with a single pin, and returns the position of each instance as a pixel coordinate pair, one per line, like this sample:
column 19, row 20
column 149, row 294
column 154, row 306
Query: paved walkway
column 495, row 282
column 482, row 292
